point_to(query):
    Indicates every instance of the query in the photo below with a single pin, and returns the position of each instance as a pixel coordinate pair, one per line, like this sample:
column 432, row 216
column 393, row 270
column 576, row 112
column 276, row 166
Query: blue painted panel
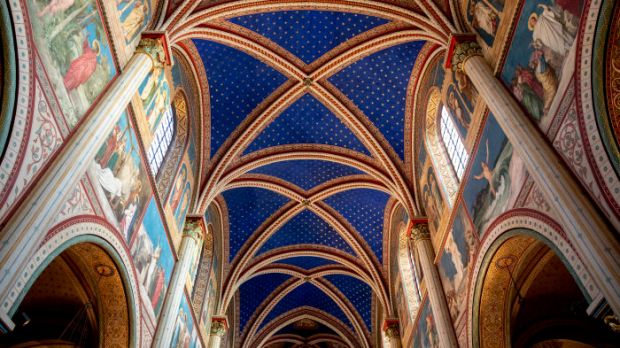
column 357, row 292
column 378, row 84
column 234, row 86
column 364, row 209
column 254, row 292
column 307, row 121
column 307, row 173
column 308, row 34
column 248, row 207
column 307, row 262
column 306, row 228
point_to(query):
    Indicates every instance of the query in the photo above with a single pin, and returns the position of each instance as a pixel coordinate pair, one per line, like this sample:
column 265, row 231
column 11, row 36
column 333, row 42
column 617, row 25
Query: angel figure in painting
column 549, row 31
column 487, row 173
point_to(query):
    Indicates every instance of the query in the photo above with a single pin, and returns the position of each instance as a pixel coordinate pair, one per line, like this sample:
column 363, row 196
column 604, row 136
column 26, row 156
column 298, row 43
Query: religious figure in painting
column 483, row 17
column 487, row 173
column 551, row 29
column 180, row 339
column 528, row 90
column 83, row 67
column 134, row 21
column 546, row 77
column 55, row 6
column 457, row 111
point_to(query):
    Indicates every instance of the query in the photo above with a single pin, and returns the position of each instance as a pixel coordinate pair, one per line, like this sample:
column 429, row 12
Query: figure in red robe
column 82, row 67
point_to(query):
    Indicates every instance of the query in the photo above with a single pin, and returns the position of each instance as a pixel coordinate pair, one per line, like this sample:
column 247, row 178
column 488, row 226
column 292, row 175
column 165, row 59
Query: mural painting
column 401, row 303
column 153, row 258
column 458, row 251
column 208, row 308
column 495, row 177
column 181, row 194
column 460, row 113
column 426, row 331
column 74, row 49
column 185, row 334
column 155, row 95
column 544, row 34
column 432, row 198
column 134, row 15
column 119, row 178
column 484, row 16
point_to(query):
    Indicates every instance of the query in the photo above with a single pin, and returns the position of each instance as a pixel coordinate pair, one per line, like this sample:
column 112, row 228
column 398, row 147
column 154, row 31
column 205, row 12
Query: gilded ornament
column 218, row 328
column 462, row 52
column 154, row 48
column 420, row 232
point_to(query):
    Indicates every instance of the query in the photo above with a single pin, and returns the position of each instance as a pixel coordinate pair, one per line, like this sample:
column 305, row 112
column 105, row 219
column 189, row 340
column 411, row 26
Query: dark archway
column 77, row 300
column 528, row 296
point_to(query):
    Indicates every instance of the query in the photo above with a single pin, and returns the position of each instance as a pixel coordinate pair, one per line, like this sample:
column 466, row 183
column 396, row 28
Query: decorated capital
column 195, row 227
column 391, row 328
column 419, row 230
column 462, row 47
column 155, row 45
column 219, row 325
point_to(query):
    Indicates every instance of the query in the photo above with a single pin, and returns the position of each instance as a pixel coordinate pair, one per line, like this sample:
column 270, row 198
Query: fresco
column 209, row 304
column 432, row 198
column 181, row 193
column 461, row 115
column 72, row 44
column 544, row 34
column 495, row 177
column 119, row 178
column 155, row 96
column 484, row 16
column 185, row 334
column 152, row 258
column 134, row 15
column 193, row 268
column 458, row 251
column 401, row 303
column 426, row 332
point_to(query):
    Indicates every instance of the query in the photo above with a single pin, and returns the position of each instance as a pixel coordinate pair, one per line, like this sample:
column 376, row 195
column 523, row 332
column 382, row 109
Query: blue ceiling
column 308, row 34
column 306, row 228
column 364, row 209
column 253, row 293
column 357, row 292
column 306, row 262
column 235, row 90
column 376, row 84
column 248, row 207
column 307, row 173
column 307, row 295
column 307, row 121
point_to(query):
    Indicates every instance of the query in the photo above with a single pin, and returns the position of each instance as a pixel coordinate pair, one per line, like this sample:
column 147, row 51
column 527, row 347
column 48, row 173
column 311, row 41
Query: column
column 219, row 325
column 586, row 227
column 392, row 333
column 193, row 231
column 24, row 230
column 423, row 246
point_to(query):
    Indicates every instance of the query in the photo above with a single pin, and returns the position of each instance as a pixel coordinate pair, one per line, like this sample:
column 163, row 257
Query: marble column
column 391, row 330
column 24, row 230
column 219, row 325
column 423, row 246
column 586, row 227
column 194, row 230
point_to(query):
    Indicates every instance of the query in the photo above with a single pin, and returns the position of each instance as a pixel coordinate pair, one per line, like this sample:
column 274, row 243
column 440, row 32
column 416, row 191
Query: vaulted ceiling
column 310, row 145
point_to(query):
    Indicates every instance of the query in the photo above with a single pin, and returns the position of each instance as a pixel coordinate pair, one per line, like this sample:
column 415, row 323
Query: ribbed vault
column 310, row 141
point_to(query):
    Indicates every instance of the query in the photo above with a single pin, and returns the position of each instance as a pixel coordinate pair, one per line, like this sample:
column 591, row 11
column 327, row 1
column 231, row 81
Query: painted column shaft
column 172, row 302
column 215, row 341
column 24, row 230
column 585, row 226
column 441, row 313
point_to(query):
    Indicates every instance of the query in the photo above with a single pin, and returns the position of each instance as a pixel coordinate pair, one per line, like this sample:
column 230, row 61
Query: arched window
column 161, row 141
column 453, row 143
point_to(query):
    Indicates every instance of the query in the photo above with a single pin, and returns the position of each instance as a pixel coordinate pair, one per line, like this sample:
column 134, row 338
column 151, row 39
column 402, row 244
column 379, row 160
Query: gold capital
column 218, row 328
column 462, row 52
column 154, row 48
column 420, row 231
column 193, row 229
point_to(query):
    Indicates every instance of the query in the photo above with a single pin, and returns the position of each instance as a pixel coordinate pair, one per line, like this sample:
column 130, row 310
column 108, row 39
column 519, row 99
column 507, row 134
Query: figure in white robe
column 548, row 30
